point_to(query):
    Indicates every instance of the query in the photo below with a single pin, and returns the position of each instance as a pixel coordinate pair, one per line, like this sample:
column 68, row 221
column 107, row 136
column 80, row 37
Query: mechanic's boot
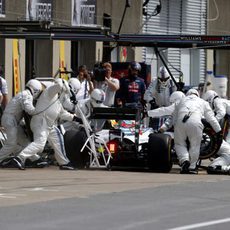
column 225, row 169
column 7, row 163
column 214, row 170
column 185, row 167
column 19, row 163
column 68, row 166
column 40, row 163
column 218, row 170
column 193, row 171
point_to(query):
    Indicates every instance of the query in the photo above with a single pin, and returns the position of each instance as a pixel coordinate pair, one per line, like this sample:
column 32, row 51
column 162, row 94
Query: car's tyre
column 210, row 143
column 159, row 152
column 74, row 141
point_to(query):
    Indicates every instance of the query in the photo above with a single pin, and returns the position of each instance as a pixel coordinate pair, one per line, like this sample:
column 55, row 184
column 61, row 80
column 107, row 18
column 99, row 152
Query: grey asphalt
column 37, row 199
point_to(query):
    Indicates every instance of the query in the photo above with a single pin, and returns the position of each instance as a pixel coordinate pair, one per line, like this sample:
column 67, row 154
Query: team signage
column 2, row 9
column 83, row 12
column 39, row 10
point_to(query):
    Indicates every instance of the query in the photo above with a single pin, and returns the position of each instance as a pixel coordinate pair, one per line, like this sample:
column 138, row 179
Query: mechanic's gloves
column 144, row 113
column 153, row 104
column 73, row 97
column 77, row 119
column 160, row 130
column 205, row 123
column 220, row 136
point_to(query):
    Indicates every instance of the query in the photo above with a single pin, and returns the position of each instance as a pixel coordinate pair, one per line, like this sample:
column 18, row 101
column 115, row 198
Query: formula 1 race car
column 129, row 144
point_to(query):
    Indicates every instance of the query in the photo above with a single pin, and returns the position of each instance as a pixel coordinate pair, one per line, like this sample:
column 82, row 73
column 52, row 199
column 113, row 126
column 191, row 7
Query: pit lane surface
column 98, row 199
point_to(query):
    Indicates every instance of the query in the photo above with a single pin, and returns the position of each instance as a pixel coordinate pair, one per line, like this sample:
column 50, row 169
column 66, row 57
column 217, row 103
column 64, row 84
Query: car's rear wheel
column 210, row 143
column 74, row 141
column 159, row 153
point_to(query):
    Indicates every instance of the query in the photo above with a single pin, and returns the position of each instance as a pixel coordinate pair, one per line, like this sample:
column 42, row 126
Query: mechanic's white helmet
column 209, row 96
column 97, row 97
column 163, row 76
column 74, row 85
column 163, row 72
column 193, row 91
column 175, row 97
column 35, row 87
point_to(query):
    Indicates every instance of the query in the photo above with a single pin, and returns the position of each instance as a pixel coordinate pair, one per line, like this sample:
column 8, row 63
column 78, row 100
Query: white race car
column 127, row 143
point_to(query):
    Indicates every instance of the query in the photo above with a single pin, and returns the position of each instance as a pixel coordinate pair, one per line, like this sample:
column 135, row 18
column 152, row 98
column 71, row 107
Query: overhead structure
column 36, row 30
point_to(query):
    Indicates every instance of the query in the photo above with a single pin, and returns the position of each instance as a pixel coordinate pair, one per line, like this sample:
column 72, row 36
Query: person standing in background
column 158, row 93
column 86, row 83
column 3, row 90
column 160, row 89
column 132, row 88
column 110, row 85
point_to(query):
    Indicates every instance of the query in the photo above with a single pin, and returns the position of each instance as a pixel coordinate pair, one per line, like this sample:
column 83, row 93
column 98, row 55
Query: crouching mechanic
column 221, row 164
column 43, row 126
column 13, row 114
column 188, row 128
column 220, row 106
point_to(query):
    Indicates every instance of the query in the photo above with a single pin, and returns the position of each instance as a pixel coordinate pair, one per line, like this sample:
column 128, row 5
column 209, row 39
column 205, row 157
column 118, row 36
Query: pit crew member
column 188, row 128
column 43, row 126
column 13, row 114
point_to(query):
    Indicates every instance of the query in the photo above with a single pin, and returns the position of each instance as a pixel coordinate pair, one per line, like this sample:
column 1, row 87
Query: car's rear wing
column 115, row 113
column 120, row 114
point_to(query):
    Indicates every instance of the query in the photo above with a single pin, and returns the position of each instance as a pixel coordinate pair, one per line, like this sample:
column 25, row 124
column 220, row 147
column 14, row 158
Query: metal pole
column 123, row 16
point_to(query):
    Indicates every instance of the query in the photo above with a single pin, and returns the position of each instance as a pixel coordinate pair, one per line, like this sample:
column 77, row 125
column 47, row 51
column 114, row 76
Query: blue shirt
column 131, row 89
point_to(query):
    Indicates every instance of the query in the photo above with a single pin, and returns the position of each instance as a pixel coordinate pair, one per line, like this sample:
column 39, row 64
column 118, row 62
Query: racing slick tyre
column 159, row 153
column 74, row 141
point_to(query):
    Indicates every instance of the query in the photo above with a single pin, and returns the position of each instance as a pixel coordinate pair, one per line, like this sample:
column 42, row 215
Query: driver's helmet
column 97, row 97
column 193, row 91
column 209, row 96
column 135, row 66
column 163, row 76
column 175, row 97
column 74, row 85
column 35, row 87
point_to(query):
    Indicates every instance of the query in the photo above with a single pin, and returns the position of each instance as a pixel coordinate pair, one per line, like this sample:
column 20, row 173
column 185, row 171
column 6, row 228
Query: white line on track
column 38, row 189
column 203, row 224
column 10, row 196
column 5, row 196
